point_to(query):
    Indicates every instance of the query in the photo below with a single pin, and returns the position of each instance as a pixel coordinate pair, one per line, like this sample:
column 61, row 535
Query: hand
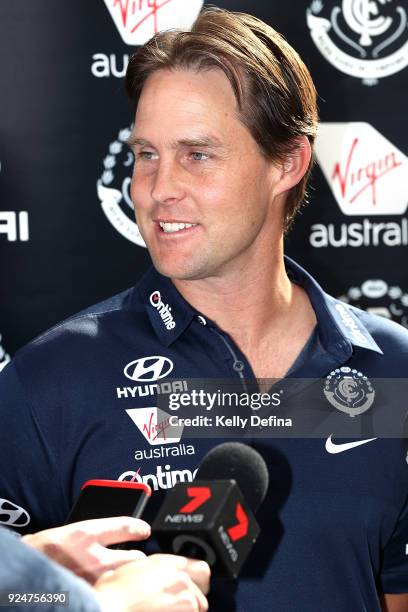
column 154, row 584
column 81, row 547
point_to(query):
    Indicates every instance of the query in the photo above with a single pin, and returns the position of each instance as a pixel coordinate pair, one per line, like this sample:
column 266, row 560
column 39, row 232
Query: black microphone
column 212, row 518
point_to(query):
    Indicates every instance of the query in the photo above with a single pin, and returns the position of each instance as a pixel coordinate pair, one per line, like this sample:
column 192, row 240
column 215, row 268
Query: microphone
column 212, row 518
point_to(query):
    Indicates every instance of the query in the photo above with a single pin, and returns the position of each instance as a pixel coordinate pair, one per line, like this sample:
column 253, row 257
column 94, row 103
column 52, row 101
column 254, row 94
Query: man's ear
column 294, row 167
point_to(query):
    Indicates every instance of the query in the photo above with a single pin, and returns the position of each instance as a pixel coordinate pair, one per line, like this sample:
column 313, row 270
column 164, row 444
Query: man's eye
column 199, row 156
column 147, row 155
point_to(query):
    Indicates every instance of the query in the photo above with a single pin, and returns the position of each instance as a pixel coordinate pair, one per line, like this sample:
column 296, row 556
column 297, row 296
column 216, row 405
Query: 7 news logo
column 210, row 517
column 199, row 496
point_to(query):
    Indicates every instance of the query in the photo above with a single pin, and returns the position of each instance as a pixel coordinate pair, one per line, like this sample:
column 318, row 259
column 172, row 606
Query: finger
column 116, row 529
column 176, row 561
column 200, row 573
column 112, row 559
column 201, row 599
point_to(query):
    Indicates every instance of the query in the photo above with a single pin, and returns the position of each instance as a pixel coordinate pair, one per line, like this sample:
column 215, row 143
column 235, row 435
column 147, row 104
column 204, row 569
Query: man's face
column 201, row 188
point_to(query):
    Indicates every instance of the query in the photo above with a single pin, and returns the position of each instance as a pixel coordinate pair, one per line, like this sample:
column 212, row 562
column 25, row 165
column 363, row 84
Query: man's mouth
column 171, row 228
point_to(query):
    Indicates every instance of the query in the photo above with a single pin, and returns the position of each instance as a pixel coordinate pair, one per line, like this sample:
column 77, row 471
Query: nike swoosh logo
column 333, row 448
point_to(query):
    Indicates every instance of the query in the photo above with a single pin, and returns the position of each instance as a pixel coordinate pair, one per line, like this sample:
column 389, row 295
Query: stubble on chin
column 189, row 270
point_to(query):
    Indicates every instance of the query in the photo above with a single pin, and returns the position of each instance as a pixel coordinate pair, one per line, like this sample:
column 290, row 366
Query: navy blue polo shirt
column 80, row 402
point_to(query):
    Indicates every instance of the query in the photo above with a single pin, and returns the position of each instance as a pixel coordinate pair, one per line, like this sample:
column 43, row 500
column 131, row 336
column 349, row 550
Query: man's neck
column 268, row 317
column 250, row 304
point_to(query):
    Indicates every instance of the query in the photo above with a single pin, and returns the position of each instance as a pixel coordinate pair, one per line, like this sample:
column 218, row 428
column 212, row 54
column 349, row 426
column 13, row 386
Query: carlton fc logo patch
column 349, row 391
column 366, row 39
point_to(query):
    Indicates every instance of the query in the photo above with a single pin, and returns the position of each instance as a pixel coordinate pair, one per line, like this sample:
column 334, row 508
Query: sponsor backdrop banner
column 67, row 233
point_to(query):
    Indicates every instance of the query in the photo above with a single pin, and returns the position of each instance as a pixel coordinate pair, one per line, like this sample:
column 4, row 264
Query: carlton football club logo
column 378, row 297
column 138, row 20
column 365, row 172
column 366, row 39
column 113, row 188
column 349, row 391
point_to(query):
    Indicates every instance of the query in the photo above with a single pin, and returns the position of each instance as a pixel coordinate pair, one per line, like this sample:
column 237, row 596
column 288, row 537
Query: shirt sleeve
column 25, row 570
column 31, row 496
column 394, row 574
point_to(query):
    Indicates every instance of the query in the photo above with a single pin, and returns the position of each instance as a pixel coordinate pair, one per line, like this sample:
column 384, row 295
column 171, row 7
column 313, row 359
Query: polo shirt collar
column 339, row 328
column 168, row 311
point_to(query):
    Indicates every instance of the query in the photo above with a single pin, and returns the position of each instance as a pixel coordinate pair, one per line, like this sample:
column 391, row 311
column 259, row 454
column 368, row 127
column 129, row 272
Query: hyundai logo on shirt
column 147, row 369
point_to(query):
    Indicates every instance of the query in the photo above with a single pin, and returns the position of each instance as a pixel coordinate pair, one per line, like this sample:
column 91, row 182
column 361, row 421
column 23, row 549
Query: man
column 146, row 585
column 225, row 120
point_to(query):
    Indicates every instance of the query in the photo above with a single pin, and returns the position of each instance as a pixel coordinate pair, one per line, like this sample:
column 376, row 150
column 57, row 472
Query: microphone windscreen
column 243, row 464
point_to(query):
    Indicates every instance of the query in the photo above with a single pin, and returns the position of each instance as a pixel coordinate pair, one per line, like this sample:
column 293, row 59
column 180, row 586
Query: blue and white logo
column 366, row 39
column 349, row 391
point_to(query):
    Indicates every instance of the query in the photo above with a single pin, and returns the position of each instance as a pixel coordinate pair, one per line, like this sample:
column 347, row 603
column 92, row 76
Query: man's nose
column 167, row 183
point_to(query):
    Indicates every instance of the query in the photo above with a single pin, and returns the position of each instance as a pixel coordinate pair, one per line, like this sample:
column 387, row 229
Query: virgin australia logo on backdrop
column 138, row 20
column 365, row 172
column 367, row 39
column 367, row 176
